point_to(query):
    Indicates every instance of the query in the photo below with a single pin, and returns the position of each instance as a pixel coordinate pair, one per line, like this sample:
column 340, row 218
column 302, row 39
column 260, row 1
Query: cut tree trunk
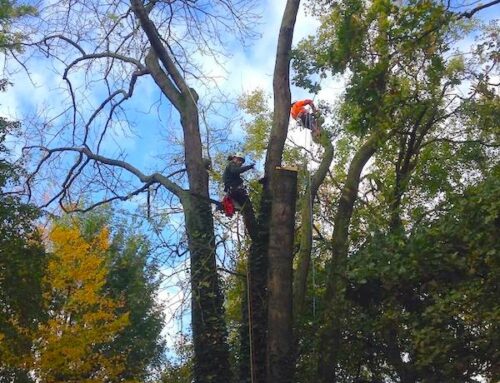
column 258, row 262
column 280, row 344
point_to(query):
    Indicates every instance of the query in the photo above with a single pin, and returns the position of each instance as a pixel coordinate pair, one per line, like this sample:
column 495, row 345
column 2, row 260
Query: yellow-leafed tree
column 73, row 344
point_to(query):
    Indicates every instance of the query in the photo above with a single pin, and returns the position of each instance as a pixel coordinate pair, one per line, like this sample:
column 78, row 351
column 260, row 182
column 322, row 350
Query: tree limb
column 108, row 200
column 154, row 38
column 152, row 178
column 471, row 13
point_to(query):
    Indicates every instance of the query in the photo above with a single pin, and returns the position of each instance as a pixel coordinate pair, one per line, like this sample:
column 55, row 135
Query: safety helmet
column 239, row 155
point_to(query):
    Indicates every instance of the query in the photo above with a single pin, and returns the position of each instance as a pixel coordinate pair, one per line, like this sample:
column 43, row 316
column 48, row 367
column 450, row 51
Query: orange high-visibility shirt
column 299, row 107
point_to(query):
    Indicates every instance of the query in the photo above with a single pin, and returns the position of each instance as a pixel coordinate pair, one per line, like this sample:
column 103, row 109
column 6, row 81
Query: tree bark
column 304, row 254
column 330, row 334
column 281, row 89
column 280, row 345
column 257, row 316
column 244, row 366
column 211, row 355
column 258, row 258
column 211, row 352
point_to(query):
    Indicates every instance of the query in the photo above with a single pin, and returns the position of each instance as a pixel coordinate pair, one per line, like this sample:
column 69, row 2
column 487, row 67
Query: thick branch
column 155, row 177
column 306, row 240
column 471, row 13
column 329, row 336
column 113, row 55
column 162, row 80
column 281, row 87
column 154, row 38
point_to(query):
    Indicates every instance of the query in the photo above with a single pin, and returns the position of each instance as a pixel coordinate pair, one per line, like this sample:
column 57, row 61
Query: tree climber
column 233, row 183
column 233, row 186
column 305, row 116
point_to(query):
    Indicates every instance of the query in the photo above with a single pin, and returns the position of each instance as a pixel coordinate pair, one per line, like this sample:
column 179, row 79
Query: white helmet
column 239, row 155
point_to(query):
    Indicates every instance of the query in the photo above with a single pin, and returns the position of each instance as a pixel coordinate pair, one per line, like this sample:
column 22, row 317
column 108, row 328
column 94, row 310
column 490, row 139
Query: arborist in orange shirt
column 305, row 116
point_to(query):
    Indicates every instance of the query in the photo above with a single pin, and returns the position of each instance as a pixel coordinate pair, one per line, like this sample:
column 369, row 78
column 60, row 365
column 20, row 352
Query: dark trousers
column 240, row 196
column 308, row 121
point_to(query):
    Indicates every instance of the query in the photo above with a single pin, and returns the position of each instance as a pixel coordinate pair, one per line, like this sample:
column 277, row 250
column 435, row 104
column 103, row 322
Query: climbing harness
column 309, row 121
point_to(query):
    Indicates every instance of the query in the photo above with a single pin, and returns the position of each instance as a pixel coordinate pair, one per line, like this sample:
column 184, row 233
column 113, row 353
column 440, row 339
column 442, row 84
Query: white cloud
column 249, row 68
column 253, row 67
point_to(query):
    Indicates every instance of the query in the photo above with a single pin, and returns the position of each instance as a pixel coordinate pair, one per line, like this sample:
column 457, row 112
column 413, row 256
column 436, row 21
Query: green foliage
column 9, row 12
column 236, row 313
column 484, row 111
column 436, row 291
column 258, row 128
column 377, row 46
column 412, row 290
column 22, row 264
column 133, row 278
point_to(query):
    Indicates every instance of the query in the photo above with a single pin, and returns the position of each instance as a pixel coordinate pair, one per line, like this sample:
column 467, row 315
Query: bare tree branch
column 154, row 38
column 461, row 142
column 105, row 201
column 469, row 14
column 155, row 177
column 118, row 56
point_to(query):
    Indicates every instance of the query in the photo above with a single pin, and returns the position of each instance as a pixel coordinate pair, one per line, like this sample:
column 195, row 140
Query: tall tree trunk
column 304, row 254
column 330, row 334
column 211, row 353
column 281, row 89
column 258, row 261
column 257, row 307
column 280, row 345
column 244, row 366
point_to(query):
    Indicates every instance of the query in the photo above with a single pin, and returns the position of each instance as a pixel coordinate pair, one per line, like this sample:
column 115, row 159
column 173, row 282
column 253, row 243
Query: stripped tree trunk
column 258, row 257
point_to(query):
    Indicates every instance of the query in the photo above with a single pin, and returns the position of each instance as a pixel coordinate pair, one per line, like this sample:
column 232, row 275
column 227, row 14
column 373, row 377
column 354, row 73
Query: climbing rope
column 308, row 146
column 250, row 327
column 313, row 266
column 311, row 220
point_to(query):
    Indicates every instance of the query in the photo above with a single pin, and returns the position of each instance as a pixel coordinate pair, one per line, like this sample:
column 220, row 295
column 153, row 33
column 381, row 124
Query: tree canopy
column 365, row 253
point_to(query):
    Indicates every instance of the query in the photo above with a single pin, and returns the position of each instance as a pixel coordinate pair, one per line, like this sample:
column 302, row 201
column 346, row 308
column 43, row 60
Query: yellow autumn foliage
column 72, row 345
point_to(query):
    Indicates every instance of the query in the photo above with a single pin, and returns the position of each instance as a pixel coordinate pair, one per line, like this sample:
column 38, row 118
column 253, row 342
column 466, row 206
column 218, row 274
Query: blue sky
column 42, row 95
column 43, row 92
column 249, row 67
